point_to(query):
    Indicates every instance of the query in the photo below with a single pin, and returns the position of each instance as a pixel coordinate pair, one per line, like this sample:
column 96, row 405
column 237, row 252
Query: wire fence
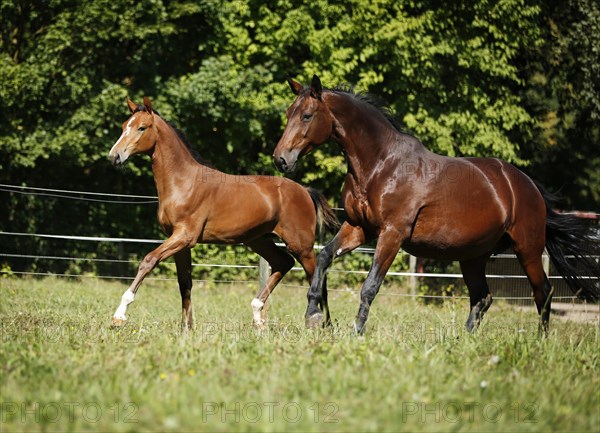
column 506, row 279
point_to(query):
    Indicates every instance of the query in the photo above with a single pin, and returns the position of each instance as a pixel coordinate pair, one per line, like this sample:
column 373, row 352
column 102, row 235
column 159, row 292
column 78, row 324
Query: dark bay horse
column 199, row 204
column 403, row 195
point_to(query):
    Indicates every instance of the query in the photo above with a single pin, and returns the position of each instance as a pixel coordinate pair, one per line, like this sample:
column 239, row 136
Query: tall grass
column 65, row 369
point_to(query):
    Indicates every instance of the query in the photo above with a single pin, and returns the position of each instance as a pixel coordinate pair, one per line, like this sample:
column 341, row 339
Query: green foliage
column 431, row 288
column 6, row 271
column 514, row 79
column 349, row 271
column 222, row 255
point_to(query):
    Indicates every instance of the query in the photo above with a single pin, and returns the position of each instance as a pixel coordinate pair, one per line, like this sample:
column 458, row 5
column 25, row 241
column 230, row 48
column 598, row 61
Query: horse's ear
column 132, row 106
column 148, row 104
column 315, row 87
column 294, row 85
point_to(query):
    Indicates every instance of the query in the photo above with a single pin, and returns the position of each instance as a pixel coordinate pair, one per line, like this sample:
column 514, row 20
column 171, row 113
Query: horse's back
column 279, row 200
column 241, row 208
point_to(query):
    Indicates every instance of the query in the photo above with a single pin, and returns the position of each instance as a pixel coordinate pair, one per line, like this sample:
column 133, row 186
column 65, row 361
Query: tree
column 563, row 94
column 514, row 79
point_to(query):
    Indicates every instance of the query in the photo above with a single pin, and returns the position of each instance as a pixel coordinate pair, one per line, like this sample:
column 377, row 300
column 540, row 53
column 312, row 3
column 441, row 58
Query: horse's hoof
column 359, row 329
column 260, row 326
column 472, row 325
column 117, row 323
column 315, row 321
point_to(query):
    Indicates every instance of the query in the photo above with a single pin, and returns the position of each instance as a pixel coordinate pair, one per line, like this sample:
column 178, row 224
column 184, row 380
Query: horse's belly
column 454, row 236
column 440, row 251
column 237, row 226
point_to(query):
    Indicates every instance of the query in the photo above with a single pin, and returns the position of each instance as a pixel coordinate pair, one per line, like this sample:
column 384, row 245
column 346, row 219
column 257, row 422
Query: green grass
column 65, row 369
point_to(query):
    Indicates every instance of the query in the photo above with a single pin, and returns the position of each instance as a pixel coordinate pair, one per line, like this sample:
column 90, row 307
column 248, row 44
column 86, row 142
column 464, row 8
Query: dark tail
column 325, row 215
column 568, row 238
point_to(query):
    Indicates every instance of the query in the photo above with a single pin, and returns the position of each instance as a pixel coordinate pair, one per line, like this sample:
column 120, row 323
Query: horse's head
column 139, row 133
column 310, row 124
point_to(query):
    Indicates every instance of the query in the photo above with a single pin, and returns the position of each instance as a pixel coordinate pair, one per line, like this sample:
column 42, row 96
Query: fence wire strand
column 147, row 199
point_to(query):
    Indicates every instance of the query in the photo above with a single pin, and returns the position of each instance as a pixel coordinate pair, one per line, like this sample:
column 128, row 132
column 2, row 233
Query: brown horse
column 398, row 192
column 199, row 204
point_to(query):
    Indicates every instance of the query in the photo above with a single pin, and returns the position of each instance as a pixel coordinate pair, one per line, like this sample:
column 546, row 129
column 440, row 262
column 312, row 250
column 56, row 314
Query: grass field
column 65, row 369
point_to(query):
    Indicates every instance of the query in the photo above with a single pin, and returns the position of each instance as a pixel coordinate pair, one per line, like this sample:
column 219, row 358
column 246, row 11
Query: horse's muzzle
column 281, row 164
column 116, row 158
column 286, row 163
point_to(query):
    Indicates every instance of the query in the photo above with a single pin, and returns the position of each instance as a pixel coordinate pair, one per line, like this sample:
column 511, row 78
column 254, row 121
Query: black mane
column 180, row 134
column 374, row 101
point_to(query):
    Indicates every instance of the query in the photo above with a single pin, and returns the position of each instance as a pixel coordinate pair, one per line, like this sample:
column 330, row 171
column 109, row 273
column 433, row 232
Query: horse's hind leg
column 183, row 261
column 528, row 242
column 479, row 293
column 542, row 290
column 280, row 262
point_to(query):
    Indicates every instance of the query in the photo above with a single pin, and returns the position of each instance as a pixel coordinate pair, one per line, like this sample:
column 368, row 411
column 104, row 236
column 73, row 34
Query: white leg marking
column 257, row 306
column 126, row 299
column 338, row 252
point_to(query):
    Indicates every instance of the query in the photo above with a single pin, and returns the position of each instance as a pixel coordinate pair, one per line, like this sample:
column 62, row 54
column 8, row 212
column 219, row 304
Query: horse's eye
column 306, row 117
column 142, row 128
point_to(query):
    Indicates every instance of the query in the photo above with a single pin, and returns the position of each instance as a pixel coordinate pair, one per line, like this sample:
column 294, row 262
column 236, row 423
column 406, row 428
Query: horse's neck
column 172, row 163
column 367, row 137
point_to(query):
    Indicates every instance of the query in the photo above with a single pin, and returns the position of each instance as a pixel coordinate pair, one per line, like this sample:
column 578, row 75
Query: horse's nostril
column 282, row 162
column 115, row 159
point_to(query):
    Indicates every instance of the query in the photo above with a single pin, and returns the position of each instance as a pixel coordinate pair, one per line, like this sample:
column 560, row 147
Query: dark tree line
column 517, row 80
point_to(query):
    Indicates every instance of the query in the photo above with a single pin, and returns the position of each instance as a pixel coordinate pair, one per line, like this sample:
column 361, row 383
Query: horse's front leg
column 347, row 239
column 183, row 262
column 387, row 247
column 171, row 246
